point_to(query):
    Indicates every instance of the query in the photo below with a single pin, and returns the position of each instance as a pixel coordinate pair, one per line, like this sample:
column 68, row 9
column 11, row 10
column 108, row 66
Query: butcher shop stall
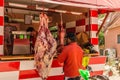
column 27, row 25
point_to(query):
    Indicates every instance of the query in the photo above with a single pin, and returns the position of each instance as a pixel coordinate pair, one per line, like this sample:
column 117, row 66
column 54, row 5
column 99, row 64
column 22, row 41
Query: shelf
column 10, row 58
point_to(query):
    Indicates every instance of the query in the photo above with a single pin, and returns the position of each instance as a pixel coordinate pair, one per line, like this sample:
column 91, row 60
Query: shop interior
column 21, row 22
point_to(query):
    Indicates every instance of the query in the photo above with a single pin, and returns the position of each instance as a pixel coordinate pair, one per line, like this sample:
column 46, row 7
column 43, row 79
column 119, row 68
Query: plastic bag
column 84, row 74
column 85, row 61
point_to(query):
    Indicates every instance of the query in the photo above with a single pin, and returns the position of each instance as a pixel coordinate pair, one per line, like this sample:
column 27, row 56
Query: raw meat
column 45, row 48
column 61, row 35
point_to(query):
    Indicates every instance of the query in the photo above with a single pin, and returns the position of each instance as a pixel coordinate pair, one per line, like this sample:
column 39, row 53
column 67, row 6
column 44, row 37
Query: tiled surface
column 24, row 74
column 9, row 75
column 25, row 70
column 76, row 26
column 97, row 60
column 82, row 26
column 29, row 63
column 56, row 71
column 60, row 77
column 1, row 25
column 1, row 50
column 32, row 79
column 9, row 66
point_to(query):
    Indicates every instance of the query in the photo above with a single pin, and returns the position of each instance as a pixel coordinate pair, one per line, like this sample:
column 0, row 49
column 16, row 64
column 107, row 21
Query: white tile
column 53, row 72
column 32, row 79
column 93, row 34
column 96, row 47
column 71, row 24
column 27, row 65
column 94, row 20
column 12, row 75
column 1, row 50
column 97, row 67
column 56, row 71
column 1, row 11
column 80, row 29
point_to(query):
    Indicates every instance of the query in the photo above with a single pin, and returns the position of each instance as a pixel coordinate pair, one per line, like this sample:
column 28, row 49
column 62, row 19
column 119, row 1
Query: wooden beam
column 37, row 8
column 102, row 24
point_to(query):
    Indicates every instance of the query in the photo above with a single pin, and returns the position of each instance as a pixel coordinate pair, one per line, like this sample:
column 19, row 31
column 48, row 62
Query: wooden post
column 102, row 23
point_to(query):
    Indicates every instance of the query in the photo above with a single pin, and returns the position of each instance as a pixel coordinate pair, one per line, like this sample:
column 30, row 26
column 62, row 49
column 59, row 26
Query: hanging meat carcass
column 61, row 31
column 45, row 48
column 61, row 35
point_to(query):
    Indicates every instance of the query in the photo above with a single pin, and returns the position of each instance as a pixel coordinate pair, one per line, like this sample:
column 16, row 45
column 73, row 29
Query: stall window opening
column 118, row 38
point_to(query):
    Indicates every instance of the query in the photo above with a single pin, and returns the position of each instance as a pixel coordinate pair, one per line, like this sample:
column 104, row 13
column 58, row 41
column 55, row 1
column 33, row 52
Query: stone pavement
column 115, row 76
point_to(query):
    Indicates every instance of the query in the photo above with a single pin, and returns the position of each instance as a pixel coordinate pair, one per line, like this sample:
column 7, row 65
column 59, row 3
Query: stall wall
column 78, row 23
column 1, row 26
column 76, row 26
column 88, row 24
column 25, row 70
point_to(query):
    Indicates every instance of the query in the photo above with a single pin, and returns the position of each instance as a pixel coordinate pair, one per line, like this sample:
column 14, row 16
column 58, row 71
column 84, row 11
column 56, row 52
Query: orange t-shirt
column 71, row 56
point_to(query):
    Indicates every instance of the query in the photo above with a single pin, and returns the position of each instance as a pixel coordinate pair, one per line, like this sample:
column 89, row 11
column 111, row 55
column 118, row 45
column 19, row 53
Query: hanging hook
column 61, row 20
column 62, row 32
column 43, row 6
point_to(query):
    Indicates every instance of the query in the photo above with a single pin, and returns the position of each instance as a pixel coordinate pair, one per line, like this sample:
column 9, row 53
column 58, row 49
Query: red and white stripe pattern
column 83, row 25
column 94, row 27
column 1, row 26
column 25, row 70
column 97, row 63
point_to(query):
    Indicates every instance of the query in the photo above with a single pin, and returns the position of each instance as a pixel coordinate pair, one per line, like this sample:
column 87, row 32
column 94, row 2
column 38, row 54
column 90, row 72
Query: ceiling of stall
column 48, row 5
column 66, row 17
column 32, row 2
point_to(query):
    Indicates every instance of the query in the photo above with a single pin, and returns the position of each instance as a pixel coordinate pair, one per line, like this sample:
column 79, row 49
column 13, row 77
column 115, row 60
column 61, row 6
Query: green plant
column 101, row 38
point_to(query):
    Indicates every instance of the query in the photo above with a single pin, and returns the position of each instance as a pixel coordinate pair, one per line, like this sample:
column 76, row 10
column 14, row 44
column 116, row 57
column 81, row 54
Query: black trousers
column 76, row 78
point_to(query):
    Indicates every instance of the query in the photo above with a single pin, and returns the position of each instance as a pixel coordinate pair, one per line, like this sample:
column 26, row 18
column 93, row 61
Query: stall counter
column 25, row 69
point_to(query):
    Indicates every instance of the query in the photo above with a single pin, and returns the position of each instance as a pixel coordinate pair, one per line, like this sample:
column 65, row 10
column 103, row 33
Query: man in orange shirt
column 71, row 57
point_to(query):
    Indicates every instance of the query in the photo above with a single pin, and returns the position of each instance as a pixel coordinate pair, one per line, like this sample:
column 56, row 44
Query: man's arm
column 62, row 57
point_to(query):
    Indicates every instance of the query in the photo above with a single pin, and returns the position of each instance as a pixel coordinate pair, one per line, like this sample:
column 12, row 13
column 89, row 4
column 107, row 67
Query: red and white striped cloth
column 25, row 70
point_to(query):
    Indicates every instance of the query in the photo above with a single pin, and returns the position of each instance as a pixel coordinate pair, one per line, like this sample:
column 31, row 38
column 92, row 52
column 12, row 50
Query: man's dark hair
column 30, row 29
column 71, row 36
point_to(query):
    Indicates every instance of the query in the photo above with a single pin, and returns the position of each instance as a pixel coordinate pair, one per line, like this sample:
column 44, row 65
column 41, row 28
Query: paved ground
column 115, row 76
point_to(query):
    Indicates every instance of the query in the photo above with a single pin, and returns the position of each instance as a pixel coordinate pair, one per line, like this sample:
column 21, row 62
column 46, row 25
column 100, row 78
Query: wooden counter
column 17, row 57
